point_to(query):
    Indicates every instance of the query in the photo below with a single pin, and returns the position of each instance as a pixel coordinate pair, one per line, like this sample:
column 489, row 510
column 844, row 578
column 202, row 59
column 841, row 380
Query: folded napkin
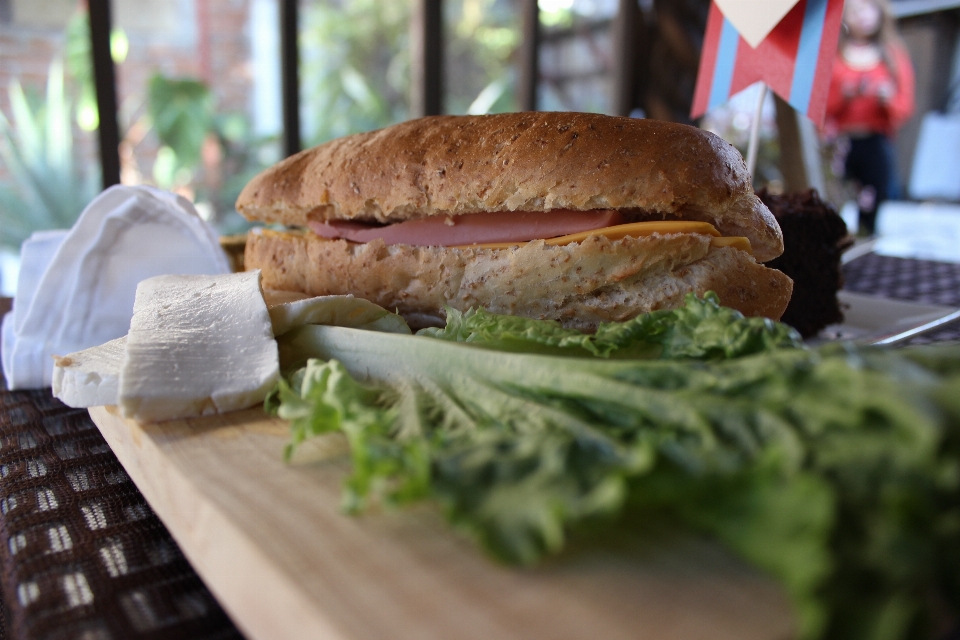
column 76, row 288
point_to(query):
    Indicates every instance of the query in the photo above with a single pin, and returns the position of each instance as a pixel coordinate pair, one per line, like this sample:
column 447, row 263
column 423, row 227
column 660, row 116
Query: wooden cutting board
column 271, row 543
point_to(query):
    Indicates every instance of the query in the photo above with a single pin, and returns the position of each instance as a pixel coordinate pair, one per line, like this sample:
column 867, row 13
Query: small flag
column 795, row 58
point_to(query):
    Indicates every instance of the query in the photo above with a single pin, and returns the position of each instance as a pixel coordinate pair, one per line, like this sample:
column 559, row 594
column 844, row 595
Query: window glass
column 575, row 55
column 190, row 117
column 354, row 66
column 481, row 39
column 49, row 168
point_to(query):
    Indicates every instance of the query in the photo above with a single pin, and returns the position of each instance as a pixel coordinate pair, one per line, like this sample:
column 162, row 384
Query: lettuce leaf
column 339, row 311
column 512, row 333
column 701, row 329
column 836, row 470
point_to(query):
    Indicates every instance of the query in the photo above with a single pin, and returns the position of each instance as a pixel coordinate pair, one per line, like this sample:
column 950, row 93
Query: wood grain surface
column 272, row 544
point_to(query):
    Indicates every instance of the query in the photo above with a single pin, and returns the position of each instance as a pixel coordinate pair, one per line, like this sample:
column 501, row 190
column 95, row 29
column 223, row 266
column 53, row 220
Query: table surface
column 84, row 556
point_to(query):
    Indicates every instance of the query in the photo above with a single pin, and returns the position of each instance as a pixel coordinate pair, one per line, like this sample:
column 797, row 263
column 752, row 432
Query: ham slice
column 477, row 228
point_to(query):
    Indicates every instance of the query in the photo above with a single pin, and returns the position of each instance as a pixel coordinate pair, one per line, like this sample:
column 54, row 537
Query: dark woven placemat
column 83, row 555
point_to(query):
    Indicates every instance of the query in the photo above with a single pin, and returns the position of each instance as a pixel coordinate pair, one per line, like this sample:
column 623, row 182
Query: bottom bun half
column 580, row 285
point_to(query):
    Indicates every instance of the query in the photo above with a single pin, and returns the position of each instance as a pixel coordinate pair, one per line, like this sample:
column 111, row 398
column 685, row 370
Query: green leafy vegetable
column 836, row 470
column 339, row 311
column 512, row 333
column 701, row 329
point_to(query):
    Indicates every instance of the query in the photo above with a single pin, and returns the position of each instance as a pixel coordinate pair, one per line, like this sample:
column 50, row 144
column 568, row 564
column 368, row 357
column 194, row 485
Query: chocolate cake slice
column 814, row 237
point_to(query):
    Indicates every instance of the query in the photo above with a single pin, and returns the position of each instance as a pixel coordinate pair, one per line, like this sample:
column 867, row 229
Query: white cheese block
column 197, row 345
column 85, row 295
column 90, row 378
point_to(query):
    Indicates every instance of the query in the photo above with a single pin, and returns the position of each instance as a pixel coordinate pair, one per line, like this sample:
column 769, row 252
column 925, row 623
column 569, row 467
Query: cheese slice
column 737, row 242
column 634, row 230
column 89, row 378
column 201, row 345
column 197, row 345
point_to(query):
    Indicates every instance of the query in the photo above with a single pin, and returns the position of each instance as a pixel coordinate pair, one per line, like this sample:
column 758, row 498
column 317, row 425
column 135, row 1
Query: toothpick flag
column 788, row 44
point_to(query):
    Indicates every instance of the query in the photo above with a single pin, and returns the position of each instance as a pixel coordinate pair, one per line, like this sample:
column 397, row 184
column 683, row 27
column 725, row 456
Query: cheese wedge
column 83, row 282
column 91, row 377
column 197, row 345
column 202, row 345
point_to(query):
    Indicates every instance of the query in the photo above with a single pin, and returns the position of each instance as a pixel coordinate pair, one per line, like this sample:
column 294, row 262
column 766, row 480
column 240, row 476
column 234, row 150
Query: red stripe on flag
column 708, row 62
column 774, row 58
column 828, row 54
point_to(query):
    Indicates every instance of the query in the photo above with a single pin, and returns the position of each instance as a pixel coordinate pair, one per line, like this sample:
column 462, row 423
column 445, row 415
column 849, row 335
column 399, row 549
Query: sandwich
column 575, row 217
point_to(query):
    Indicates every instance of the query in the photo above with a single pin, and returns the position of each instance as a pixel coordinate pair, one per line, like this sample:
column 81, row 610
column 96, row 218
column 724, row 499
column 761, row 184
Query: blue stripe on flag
column 723, row 69
column 808, row 53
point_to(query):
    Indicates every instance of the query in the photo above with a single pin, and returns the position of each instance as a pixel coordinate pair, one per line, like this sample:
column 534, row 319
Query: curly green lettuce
column 700, row 329
column 836, row 470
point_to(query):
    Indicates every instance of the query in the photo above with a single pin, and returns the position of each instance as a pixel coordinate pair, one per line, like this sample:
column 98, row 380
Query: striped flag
column 795, row 59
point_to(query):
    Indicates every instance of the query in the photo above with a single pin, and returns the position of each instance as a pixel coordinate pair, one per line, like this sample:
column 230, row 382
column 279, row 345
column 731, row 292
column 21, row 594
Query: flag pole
column 754, row 142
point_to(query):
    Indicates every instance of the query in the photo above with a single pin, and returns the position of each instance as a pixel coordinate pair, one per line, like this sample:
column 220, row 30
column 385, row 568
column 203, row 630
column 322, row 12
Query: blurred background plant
column 47, row 186
column 355, row 67
column 355, row 71
column 484, row 36
column 204, row 154
column 556, row 13
column 355, row 76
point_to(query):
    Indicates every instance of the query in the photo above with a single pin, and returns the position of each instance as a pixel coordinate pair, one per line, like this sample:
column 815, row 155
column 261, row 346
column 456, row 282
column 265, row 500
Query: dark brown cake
column 814, row 237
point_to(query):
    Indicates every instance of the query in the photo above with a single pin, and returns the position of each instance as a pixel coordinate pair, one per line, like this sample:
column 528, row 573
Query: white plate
column 876, row 320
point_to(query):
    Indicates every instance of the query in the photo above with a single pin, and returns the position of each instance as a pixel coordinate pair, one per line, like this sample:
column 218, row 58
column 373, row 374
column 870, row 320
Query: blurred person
column 871, row 96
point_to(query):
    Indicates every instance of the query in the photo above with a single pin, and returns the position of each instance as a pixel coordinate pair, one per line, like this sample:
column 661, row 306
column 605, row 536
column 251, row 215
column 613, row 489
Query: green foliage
column 556, row 13
column 356, row 62
column 182, row 113
column 77, row 61
column 77, row 56
column 355, row 66
column 48, row 187
column 700, row 329
column 482, row 36
column 836, row 470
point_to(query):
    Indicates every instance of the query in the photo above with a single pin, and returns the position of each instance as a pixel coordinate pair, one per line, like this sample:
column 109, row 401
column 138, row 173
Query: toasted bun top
column 532, row 161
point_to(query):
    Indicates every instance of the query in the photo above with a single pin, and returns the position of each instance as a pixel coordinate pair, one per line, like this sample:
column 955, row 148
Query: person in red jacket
column 871, row 96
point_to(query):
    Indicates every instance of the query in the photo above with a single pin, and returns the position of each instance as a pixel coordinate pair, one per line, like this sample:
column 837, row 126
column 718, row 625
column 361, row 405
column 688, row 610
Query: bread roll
column 537, row 162
column 580, row 285
column 457, row 165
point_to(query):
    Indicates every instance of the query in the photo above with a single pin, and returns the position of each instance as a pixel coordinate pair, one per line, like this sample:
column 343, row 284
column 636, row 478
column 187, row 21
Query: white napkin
column 35, row 254
column 85, row 295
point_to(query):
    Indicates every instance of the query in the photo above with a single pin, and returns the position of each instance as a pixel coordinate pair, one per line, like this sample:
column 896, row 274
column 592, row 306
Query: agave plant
column 47, row 187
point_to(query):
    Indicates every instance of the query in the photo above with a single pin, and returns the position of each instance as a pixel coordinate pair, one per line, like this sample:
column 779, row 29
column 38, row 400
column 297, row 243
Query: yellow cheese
column 636, row 230
column 737, row 242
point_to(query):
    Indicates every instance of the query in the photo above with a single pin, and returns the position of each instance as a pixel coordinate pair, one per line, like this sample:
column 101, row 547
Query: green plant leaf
column 59, row 140
column 47, row 188
column 182, row 115
column 28, row 129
